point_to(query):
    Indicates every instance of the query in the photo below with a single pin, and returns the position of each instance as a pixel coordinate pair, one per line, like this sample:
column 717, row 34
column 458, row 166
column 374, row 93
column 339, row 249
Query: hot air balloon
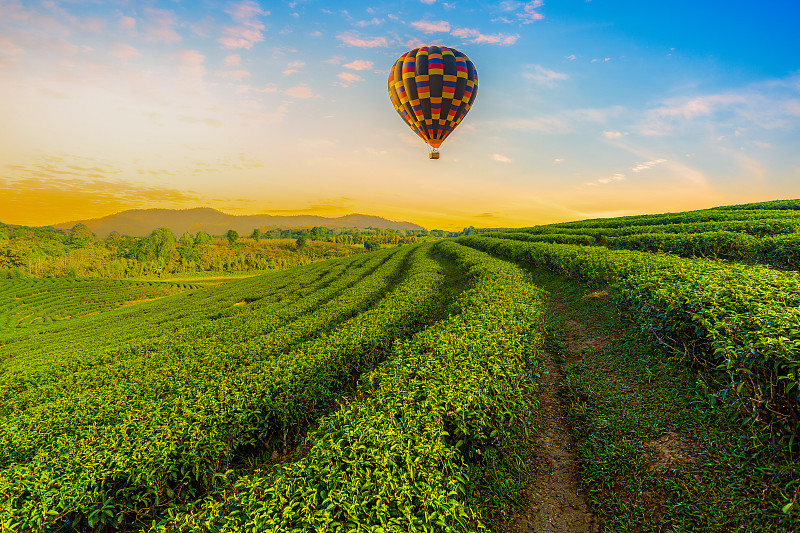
column 432, row 89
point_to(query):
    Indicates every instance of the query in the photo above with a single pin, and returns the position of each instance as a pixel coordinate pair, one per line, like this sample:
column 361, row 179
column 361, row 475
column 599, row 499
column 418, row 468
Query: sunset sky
column 584, row 108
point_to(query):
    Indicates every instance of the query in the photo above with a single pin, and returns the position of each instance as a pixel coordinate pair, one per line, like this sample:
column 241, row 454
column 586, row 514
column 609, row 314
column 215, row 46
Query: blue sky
column 584, row 109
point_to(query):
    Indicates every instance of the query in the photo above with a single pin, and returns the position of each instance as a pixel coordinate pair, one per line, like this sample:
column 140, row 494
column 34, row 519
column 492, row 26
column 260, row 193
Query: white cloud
column 372, row 22
column 571, row 57
column 349, row 77
column 93, row 24
column 127, row 23
column 248, row 30
column 204, row 27
column 359, row 64
column 613, row 134
column 771, row 104
column 160, row 26
column 558, row 160
column 475, row 36
column 124, row 51
column 353, row 39
column 9, row 49
column 525, row 12
column 414, row 43
column 702, row 105
column 270, row 88
column 543, row 76
column 565, row 121
column 647, row 165
column 606, row 181
column 432, row 27
column 301, row 91
column 615, row 177
column 14, row 11
column 528, row 13
column 501, row 158
column 233, row 60
column 191, row 63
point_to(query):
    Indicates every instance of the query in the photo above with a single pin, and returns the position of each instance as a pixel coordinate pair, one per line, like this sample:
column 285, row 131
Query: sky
column 584, row 108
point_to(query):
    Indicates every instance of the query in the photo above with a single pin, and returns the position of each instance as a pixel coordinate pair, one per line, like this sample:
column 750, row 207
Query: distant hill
column 142, row 222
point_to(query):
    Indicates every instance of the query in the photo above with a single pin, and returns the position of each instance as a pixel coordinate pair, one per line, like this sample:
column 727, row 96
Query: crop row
column 67, row 353
column 28, row 302
column 739, row 322
column 137, row 367
column 757, row 227
column 433, row 441
column 164, row 423
column 782, row 251
column 753, row 212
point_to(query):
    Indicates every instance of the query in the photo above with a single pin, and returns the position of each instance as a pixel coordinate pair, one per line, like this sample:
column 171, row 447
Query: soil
column 672, row 451
column 555, row 500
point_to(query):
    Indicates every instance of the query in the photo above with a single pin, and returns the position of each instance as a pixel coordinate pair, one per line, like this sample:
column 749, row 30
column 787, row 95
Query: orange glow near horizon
column 110, row 107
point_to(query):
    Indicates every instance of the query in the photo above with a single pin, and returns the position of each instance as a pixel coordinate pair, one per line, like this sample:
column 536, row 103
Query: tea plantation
column 389, row 391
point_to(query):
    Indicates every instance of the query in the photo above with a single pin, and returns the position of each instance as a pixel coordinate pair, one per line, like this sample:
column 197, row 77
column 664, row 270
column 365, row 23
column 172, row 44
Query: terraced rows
column 435, row 439
column 404, row 379
column 739, row 323
column 114, row 336
column 31, row 302
column 123, row 432
column 756, row 234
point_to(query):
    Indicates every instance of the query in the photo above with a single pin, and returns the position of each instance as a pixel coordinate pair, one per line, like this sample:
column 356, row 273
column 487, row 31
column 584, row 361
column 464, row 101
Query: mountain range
column 142, row 222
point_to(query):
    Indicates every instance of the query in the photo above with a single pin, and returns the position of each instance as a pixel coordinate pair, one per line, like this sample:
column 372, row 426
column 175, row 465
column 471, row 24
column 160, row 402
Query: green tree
column 256, row 234
column 371, row 244
column 186, row 239
column 301, row 242
column 202, row 238
column 9, row 258
column 186, row 248
column 232, row 236
column 81, row 235
column 163, row 242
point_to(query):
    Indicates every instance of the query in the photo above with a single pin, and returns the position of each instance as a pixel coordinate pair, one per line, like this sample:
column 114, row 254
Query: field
column 423, row 387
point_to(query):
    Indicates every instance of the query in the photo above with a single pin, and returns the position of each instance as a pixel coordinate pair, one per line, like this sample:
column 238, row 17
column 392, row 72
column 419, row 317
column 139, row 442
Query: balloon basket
column 433, row 155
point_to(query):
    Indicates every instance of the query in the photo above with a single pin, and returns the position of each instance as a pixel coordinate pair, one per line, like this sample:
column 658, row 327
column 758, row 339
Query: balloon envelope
column 432, row 89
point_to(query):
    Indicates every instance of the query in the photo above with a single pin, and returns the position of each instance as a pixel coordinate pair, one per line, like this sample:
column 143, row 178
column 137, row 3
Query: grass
column 657, row 453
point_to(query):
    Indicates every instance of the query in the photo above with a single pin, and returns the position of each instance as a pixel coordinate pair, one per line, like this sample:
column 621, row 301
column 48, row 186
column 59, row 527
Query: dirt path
column 555, row 502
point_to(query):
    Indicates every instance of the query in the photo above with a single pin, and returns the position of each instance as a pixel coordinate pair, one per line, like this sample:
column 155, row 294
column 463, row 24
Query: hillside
column 529, row 380
column 141, row 222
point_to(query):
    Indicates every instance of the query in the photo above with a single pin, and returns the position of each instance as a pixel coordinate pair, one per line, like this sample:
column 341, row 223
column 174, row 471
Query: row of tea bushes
column 135, row 434
column 741, row 323
column 435, row 439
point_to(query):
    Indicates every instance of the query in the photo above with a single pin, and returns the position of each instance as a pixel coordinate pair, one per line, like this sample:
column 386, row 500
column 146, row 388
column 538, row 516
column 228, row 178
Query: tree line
column 49, row 252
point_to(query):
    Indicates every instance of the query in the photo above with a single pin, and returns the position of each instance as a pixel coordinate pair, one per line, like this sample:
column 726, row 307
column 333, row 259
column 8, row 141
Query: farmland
column 402, row 389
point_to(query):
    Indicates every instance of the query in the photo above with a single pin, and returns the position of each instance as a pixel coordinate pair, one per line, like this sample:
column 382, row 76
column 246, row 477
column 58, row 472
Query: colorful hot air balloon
column 432, row 89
